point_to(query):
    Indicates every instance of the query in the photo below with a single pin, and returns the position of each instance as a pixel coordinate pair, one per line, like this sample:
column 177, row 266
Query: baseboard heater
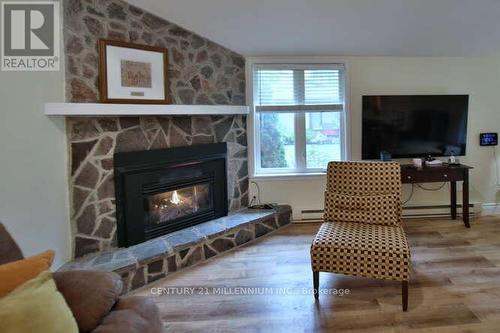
column 314, row 215
column 311, row 215
column 438, row 211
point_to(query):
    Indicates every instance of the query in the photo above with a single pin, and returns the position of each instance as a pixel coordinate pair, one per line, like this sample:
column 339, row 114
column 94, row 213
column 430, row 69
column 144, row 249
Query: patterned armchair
column 362, row 233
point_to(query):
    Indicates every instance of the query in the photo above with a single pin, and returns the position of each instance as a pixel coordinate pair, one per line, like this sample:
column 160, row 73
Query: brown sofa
column 94, row 298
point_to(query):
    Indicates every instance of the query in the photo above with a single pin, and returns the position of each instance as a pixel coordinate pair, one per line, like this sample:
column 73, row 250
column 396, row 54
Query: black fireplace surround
column 161, row 191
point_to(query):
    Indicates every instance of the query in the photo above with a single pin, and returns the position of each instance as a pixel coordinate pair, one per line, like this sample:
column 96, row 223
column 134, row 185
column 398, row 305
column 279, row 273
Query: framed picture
column 132, row 73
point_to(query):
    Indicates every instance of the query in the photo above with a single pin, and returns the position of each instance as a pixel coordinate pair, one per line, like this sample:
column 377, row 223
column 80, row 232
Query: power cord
column 423, row 188
column 431, row 189
column 411, row 195
column 258, row 194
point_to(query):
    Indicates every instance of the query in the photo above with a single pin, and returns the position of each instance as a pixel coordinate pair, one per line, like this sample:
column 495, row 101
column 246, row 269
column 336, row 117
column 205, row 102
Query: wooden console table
column 443, row 173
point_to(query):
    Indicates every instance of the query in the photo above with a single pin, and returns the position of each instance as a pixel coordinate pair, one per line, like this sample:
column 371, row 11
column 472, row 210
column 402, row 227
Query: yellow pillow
column 36, row 306
column 18, row 272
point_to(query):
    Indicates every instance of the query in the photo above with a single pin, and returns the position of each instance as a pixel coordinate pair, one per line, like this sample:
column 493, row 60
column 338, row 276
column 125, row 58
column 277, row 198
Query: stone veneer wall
column 200, row 72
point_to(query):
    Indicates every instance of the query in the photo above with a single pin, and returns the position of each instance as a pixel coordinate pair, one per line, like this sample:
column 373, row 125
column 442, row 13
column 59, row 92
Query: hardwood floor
column 455, row 286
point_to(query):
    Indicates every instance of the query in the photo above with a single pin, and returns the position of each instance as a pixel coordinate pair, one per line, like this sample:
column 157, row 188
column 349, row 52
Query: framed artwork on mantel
column 132, row 73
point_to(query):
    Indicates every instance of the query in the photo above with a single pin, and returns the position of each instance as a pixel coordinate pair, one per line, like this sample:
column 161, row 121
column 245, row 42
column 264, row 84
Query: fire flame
column 175, row 198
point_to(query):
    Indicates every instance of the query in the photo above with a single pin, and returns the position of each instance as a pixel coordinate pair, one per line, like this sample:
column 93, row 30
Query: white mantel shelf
column 99, row 109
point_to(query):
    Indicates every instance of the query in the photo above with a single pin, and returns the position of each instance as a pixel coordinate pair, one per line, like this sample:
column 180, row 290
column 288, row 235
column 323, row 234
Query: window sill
column 288, row 176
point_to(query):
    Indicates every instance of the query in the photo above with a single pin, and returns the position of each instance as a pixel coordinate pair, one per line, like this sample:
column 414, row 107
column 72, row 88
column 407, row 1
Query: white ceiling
column 340, row 27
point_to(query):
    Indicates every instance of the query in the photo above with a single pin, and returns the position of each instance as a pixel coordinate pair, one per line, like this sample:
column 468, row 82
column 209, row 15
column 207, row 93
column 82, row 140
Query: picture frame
column 132, row 73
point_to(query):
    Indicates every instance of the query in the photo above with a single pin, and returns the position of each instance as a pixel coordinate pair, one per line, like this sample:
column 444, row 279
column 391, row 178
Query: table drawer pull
column 409, row 177
column 445, row 176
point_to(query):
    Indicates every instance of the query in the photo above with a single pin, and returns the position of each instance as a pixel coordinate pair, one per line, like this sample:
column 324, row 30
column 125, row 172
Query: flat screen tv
column 414, row 126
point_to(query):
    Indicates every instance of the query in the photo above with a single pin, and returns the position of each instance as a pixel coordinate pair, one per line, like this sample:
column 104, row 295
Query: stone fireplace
column 200, row 72
column 162, row 191
column 94, row 143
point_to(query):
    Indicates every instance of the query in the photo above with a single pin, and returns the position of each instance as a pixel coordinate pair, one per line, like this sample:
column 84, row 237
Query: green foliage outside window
column 272, row 145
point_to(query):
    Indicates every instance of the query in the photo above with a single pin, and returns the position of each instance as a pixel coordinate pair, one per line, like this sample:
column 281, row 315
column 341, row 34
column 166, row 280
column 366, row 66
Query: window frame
column 300, row 117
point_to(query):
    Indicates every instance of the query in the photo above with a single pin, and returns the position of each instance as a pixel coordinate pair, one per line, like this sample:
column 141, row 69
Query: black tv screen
column 414, row 126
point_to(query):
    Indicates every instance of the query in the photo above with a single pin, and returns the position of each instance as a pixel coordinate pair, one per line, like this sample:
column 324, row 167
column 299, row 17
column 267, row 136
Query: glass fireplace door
column 178, row 203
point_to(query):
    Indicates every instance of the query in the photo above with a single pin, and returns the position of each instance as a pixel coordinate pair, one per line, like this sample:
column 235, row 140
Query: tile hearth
column 149, row 261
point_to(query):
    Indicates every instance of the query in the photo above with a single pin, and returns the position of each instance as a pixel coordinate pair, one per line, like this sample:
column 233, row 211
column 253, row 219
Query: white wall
column 33, row 175
column 33, row 167
column 478, row 77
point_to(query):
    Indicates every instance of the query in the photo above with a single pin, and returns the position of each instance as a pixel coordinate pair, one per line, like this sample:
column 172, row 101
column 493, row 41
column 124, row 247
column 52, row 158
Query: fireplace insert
column 161, row 191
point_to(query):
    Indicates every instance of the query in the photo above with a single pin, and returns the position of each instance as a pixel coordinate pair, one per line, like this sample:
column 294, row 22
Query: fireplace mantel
column 100, row 109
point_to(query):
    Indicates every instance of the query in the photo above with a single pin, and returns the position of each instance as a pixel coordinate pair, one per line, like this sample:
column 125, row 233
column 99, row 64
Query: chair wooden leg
column 405, row 295
column 316, row 284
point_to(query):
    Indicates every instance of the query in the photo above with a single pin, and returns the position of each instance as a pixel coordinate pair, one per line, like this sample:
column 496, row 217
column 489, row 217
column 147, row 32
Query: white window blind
column 298, row 88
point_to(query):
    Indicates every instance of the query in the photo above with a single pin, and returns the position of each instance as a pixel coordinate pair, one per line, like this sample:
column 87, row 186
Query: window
column 299, row 117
